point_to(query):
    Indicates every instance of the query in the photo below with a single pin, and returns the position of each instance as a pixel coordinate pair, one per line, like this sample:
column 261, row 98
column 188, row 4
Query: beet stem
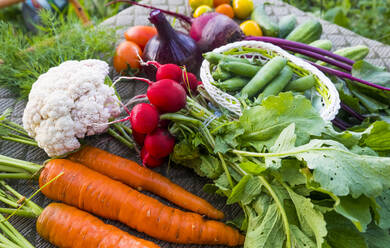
column 351, row 111
column 171, row 13
column 348, row 76
column 339, row 123
column 281, row 42
column 319, row 57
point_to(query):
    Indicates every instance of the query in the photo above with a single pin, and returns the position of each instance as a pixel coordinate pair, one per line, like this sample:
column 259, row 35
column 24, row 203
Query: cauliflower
column 69, row 102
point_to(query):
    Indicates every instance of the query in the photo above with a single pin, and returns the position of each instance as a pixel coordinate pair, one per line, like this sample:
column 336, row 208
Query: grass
column 369, row 18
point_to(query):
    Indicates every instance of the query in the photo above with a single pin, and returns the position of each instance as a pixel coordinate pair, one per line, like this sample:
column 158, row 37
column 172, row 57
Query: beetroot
column 189, row 81
column 138, row 137
column 169, row 71
column 150, row 161
column 144, row 118
column 167, row 95
column 159, row 143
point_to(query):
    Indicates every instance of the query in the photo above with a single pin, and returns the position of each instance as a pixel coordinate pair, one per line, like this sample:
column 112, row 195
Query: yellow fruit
column 251, row 28
column 242, row 8
column 196, row 3
column 201, row 10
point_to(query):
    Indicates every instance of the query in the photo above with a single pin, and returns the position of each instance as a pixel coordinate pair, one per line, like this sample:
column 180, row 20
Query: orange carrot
column 86, row 189
column 141, row 178
column 66, row 226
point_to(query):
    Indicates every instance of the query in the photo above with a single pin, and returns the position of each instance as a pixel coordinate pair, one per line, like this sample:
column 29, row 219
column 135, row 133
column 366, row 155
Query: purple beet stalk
column 317, row 56
column 351, row 111
column 347, row 76
column 283, row 42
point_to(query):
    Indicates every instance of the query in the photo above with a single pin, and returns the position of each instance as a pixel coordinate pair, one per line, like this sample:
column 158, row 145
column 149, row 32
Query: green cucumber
column 240, row 69
column 269, row 71
column 215, row 58
column 323, row 44
column 306, row 32
column 277, row 84
column 354, row 53
column 269, row 27
column 233, row 84
column 301, row 84
column 286, row 25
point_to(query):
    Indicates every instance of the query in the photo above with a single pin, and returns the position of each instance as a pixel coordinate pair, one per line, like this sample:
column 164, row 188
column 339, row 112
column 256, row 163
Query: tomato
column 201, row 10
column 225, row 9
column 251, row 28
column 127, row 54
column 219, row 2
column 140, row 34
column 196, row 3
column 242, row 8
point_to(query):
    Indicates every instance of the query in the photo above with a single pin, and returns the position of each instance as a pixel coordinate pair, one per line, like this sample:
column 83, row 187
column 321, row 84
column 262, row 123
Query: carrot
column 86, row 189
column 66, row 226
column 127, row 54
column 141, row 178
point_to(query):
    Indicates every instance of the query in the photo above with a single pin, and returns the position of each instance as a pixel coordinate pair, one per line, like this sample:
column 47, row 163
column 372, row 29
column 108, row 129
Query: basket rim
column 329, row 108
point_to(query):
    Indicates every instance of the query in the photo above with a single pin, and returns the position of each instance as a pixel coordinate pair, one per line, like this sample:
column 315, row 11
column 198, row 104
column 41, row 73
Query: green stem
column 16, row 175
column 226, row 170
column 123, row 132
column 4, row 168
column 21, row 212
column 28, row 166
column 19, row 140
column 6, row 243
column 181, row 118
column 281, row 209
column 9, row 126
column 15, row 236
column 120, row 138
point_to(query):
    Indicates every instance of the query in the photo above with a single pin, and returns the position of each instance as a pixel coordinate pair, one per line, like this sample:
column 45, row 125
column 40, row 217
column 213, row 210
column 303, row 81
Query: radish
column 169, row 71
column 150, row 161
column 159, row 143
column 144, row 118
column 189, row 81
column 138, row 137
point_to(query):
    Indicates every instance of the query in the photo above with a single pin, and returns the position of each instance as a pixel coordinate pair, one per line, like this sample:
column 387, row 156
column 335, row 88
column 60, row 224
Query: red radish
column 167, row 95
column 139, row 137
column 144, row 118
column 189, row 81
column 159, row 143
column 169, row 71
column 150, row 161
column 199, row 83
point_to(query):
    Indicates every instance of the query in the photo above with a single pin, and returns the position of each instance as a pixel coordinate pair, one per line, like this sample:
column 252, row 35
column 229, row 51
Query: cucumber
column 240, row 69
column 306, row 32
column 301, row 84
column 277, row 84
column 358, row 52
column 269, row 27
column 215, row 58
column 354, row 53
column 286, row 25
column 269, row 71
column 233, row 84
column 324, row 44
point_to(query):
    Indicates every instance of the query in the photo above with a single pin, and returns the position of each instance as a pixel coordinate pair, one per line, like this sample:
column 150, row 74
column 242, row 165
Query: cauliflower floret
column 69, row 102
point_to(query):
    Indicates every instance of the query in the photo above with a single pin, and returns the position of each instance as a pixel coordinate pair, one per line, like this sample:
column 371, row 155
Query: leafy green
column 376, row 237
column 384, row 209
column 262, row 124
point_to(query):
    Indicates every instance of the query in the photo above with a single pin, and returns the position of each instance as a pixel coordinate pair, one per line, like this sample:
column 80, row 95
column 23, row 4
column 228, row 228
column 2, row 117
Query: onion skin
column 212, row 30
column 171, row 46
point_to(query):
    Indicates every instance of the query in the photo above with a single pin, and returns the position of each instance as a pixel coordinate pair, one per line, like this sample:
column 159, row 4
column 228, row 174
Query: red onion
column 171, row 46
column 210, row 30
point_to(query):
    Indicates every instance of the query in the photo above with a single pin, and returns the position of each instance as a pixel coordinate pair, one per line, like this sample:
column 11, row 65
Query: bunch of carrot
column 99, row 194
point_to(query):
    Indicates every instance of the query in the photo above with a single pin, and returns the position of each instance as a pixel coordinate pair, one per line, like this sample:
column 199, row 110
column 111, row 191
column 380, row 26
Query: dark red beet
column 159, row 143
column 150, row 161
column 167, row 95
column 144, row 118
column 139, row 137
column 189, row 80
column 169, row 71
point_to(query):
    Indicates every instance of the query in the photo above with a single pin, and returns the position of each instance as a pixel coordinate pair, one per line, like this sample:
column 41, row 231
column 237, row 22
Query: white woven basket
column 330, row 101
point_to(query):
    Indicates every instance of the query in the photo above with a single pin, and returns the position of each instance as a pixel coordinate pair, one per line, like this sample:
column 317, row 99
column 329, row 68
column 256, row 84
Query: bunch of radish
column 167, row 95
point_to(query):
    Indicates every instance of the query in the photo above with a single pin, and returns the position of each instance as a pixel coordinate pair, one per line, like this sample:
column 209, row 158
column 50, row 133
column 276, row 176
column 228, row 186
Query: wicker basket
column 330, row 101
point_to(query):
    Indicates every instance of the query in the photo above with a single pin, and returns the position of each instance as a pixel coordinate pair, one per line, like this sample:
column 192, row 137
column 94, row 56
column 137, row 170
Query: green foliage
column 365, row 17
column 57, row 41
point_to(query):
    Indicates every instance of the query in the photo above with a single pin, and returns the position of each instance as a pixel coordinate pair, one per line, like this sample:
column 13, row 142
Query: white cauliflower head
column 68, row 102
